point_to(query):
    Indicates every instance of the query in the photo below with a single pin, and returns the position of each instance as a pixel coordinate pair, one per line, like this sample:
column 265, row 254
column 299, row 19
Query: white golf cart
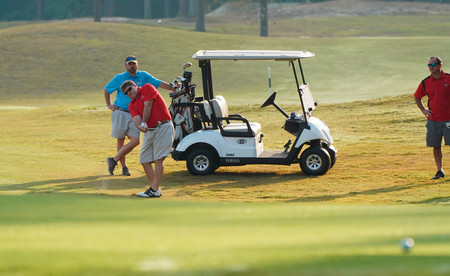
column 207, row 136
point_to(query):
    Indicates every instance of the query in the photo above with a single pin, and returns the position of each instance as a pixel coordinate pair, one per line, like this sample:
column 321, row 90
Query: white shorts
column 123, row 125
column 157, row 143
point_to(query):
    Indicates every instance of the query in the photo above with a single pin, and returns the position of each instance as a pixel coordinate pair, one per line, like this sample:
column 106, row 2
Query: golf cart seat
column 206, row 107
column 220, row 114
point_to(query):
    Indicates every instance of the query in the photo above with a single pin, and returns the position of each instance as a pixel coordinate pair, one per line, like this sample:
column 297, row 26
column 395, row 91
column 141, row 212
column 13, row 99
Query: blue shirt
column 141, row 78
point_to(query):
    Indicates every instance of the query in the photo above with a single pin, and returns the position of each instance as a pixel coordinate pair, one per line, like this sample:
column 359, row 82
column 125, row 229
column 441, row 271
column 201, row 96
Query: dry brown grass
column 382, row 158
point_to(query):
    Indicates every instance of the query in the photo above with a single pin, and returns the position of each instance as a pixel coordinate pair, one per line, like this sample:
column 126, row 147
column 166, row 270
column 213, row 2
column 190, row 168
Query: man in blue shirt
column 122, row 123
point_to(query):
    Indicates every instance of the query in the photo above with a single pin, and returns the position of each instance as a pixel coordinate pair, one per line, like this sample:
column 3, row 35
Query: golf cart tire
column 315, row 161
column 332, row 154
column 201, row 161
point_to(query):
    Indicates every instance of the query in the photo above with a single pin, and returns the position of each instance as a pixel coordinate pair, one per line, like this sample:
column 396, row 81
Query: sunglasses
column 130, row 58
column 433, row 64
column 128, row 90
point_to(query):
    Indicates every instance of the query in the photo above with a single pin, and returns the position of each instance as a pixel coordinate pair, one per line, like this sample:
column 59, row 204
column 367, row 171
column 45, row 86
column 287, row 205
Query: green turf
column 73, row 235
column 87, row 55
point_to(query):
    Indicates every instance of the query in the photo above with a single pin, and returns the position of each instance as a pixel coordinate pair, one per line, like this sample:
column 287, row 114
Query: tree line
column 68, row 9
column 26, row 10
column 143, row 9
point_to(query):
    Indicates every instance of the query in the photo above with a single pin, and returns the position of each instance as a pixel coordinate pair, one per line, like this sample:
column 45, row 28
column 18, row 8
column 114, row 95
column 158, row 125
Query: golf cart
column 207, row 136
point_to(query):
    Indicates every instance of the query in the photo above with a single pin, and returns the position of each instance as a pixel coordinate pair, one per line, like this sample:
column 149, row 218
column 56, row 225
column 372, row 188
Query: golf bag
column 182, row 108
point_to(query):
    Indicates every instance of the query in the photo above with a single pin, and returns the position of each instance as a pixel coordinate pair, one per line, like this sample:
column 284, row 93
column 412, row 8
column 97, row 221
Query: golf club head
column 187, row 65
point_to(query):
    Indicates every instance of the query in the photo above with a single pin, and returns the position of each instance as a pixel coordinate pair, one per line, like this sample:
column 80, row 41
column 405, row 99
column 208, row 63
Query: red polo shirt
column 159, row 111
column 438, row 92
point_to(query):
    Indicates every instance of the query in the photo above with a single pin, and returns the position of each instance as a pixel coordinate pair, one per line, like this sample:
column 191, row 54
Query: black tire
column 201, row 162
column 332, row 154
column 315, row 161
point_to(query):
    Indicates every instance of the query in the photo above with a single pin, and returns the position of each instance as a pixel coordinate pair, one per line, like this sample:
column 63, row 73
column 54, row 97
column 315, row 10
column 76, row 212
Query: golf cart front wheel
column 201, row 162
column 315, row 161
column 332, row 152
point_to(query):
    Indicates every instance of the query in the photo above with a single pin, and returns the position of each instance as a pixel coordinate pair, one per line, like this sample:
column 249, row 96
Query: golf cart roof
column 250, row 55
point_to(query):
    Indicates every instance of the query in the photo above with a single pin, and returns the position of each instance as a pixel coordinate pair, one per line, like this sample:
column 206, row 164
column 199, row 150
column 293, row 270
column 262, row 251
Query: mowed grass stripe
column 69, row 63
column 73, row 235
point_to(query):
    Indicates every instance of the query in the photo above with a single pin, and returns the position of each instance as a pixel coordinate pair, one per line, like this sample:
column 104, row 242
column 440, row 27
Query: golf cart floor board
column 277, row 157
column 273, row 154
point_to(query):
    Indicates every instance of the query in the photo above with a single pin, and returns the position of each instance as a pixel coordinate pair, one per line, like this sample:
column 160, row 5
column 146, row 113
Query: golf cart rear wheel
column 201, row 162
column 315, row 161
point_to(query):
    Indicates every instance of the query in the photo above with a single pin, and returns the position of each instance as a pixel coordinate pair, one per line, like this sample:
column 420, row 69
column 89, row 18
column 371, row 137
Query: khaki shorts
column 435, row 132
column 157, row 143
column 123, row 125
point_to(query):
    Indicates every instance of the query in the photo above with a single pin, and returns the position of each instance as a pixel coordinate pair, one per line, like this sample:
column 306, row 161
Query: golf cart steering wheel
column 270, row 100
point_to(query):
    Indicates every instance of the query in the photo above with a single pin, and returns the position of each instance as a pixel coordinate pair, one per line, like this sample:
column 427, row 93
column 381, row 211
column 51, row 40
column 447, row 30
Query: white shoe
column 150, row 193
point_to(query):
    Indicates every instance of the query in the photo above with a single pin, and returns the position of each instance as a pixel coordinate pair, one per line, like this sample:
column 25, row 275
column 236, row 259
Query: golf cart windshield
column 308, row 101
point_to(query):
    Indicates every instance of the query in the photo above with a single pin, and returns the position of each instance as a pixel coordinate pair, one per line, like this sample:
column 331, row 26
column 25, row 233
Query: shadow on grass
column 183, row 183
column 394, row 264
column 87, row 184
column 182, row 179
column 227, row 179
column 366, row 192
column 435, row 200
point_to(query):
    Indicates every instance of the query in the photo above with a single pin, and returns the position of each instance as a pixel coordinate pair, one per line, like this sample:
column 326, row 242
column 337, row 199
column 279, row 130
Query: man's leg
column 154, row 176
column 120, row 143
column 159, row 170
column 151, row 150
column 148, row 168
column 435, row 131
column 123, row 150
column 437, row 152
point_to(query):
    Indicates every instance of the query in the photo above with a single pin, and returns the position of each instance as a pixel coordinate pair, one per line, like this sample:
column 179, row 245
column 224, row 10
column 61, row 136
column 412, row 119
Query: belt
column 121, row 109
column 162, row 123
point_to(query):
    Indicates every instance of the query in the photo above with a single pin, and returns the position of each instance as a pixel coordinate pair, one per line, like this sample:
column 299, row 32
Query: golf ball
column 407, row 244
column 159, row 21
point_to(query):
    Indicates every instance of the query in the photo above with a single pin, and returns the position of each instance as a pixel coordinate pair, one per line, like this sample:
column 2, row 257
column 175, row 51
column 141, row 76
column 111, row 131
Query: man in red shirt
column 151, row 116
column 437, row 88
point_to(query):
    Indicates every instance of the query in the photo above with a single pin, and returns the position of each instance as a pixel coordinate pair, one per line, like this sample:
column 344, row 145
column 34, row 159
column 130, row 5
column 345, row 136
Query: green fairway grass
column 66, row 63
column 91, row 235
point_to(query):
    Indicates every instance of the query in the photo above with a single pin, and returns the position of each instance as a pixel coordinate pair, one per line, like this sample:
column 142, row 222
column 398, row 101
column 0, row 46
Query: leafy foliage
column 67, row 9
column 17, row 10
